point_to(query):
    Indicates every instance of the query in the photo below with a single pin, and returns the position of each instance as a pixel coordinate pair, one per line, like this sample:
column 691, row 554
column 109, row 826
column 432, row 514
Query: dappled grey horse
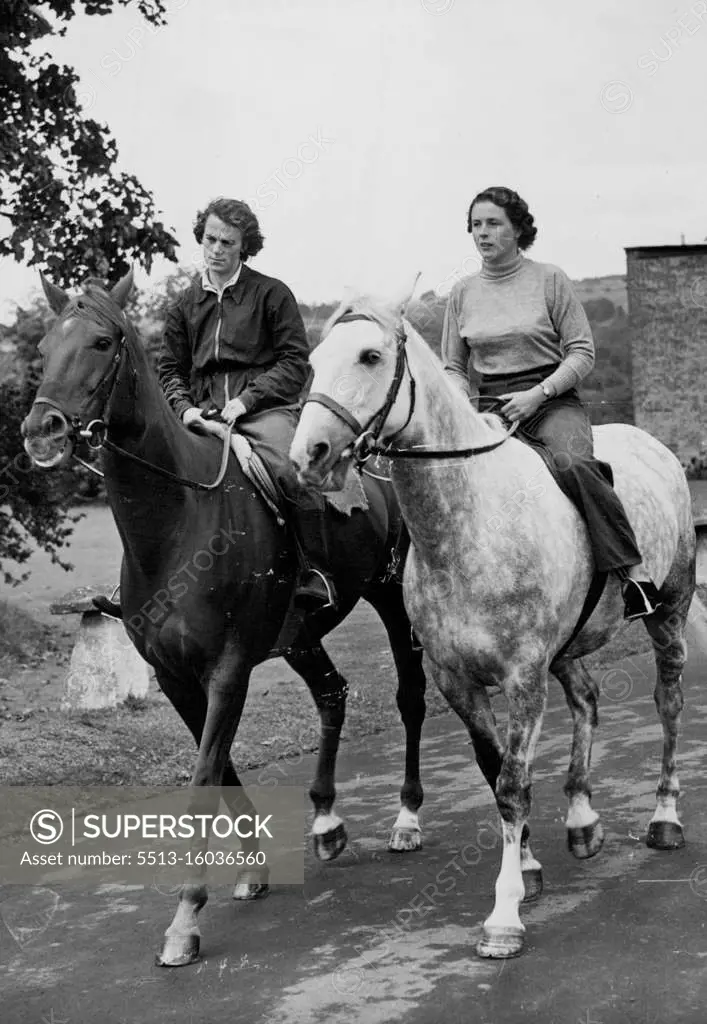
column 499, row 569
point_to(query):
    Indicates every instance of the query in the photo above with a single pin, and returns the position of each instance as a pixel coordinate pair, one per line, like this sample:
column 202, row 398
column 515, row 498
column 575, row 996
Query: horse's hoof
column 403, row 840
column 250, row 890
column 533, row 882
column 587, row 841
column 500, row 943
column 665, row 835
column 252, row 885
column 328, row 845
column 179, row 952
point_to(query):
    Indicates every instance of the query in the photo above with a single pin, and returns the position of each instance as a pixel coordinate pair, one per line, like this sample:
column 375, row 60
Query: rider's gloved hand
column 233, row 410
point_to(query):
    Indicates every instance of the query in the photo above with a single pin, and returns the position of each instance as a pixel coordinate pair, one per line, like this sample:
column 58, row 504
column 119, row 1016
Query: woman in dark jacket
column 235, row 351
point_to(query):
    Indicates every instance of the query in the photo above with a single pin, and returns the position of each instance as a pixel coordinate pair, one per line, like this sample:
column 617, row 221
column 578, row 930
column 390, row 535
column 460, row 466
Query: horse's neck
column 140, row 418
column 437, row 490
column 443, row 417
column 145, row 506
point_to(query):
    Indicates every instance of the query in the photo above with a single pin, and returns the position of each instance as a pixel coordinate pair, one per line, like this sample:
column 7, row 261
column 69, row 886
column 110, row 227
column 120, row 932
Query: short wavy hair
column 516, row 209
column 239, row 215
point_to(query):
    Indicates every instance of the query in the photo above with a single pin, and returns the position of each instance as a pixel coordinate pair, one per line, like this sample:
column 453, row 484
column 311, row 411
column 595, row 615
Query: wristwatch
column 546, row 389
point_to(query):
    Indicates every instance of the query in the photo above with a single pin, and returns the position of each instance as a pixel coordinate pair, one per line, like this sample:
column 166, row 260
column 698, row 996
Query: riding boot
column 315, row 587
column 641, row 597
column 108, row 607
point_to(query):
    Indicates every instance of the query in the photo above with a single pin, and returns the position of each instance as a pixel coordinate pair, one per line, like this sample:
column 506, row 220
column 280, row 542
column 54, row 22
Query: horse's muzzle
column 47, row 436
column 318, row 469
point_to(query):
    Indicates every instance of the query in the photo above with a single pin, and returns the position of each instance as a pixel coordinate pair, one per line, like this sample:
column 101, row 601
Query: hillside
column 612, row 288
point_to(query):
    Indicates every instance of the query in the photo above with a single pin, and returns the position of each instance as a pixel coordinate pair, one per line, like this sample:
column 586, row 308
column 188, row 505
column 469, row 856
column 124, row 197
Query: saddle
column 256, row 469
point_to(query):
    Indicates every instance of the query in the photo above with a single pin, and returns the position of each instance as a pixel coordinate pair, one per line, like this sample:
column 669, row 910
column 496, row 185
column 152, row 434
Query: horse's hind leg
column 252, row 883
column 667, row 632
column 387, row 599
column 328, row 688
column 585, row 835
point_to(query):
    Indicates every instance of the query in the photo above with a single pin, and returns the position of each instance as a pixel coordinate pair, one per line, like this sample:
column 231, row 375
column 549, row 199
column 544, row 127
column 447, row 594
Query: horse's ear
column 121, row 291
column 403, row 299
column 56, row 297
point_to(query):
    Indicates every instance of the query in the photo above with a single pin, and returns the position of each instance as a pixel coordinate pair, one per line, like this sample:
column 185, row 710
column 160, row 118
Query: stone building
column 667, row 307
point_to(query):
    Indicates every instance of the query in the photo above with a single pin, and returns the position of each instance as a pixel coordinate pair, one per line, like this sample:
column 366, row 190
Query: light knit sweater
column 517, row 317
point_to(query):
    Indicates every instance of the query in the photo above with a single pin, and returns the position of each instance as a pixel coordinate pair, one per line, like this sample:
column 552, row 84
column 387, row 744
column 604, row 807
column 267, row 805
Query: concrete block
column 105, row 667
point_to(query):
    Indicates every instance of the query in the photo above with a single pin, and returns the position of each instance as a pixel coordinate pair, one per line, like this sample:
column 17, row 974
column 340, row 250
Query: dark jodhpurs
column 562, row 431
column 271, row 433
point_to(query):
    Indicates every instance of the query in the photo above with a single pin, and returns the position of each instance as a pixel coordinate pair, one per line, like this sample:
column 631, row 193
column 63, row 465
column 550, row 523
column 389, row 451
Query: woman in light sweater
column 526, row 333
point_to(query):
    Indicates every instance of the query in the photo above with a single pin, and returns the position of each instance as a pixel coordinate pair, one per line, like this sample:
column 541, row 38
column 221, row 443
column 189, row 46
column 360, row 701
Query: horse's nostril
column 319, row 451
column 53, row 425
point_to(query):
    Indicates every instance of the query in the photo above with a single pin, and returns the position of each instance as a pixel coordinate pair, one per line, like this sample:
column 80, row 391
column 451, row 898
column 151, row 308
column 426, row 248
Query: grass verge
column 145, row 743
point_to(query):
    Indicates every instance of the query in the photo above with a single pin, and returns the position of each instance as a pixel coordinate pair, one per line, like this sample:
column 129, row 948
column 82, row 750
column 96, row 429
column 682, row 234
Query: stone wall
column 667, row 306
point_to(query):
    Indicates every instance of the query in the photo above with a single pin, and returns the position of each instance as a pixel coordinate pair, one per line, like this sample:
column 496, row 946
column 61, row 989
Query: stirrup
column 315, row 594
column 641, row 598
column 108, row 607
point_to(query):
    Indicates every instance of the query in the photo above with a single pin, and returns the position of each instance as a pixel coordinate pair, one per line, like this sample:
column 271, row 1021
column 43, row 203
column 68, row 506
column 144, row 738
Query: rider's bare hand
column 521, row 405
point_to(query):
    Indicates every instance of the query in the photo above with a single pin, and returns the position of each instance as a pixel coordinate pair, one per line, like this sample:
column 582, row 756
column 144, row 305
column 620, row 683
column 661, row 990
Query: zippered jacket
column 248, row 343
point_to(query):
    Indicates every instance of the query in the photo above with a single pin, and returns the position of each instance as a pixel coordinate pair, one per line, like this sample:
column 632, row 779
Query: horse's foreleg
column 226, row 692
column 667, row 632
column 473, row 705
column 585, row 835
column 387, row 599
column 328, row 688
column 503, row 931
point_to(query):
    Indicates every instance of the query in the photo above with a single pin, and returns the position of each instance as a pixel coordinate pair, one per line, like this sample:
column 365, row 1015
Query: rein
column 96, row 433
column 367, row 435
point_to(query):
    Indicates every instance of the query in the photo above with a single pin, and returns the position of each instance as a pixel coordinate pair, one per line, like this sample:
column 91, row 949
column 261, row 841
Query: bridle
column 367, row 436
column 95, row 432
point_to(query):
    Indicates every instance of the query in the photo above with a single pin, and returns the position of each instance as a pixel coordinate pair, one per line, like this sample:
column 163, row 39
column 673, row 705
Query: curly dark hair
column 516, row 208
column 238, row 215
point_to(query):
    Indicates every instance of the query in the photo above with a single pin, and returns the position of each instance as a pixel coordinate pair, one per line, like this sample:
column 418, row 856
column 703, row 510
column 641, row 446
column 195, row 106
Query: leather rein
column 367, row 436
column 95, row 433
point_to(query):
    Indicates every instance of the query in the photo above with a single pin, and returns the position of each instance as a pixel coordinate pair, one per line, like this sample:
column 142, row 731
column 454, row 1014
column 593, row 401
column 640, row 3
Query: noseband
column 367, row 436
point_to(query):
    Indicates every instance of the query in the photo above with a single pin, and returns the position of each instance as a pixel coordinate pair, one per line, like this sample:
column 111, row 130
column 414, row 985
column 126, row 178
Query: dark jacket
column 259, row 356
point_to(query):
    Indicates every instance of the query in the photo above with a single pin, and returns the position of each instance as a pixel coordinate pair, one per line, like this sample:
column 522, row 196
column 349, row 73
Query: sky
column 359, row 131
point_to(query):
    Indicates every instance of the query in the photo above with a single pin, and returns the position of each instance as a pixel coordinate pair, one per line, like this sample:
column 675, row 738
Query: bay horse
column 499, row 568
column 203, row 635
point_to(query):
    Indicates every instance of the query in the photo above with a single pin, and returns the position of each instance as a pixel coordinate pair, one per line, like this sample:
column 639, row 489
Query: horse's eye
column 103, row 344
column 370, row 356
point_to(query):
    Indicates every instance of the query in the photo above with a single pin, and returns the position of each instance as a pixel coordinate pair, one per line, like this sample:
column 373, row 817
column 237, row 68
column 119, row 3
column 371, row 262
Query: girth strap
column 596, row 589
